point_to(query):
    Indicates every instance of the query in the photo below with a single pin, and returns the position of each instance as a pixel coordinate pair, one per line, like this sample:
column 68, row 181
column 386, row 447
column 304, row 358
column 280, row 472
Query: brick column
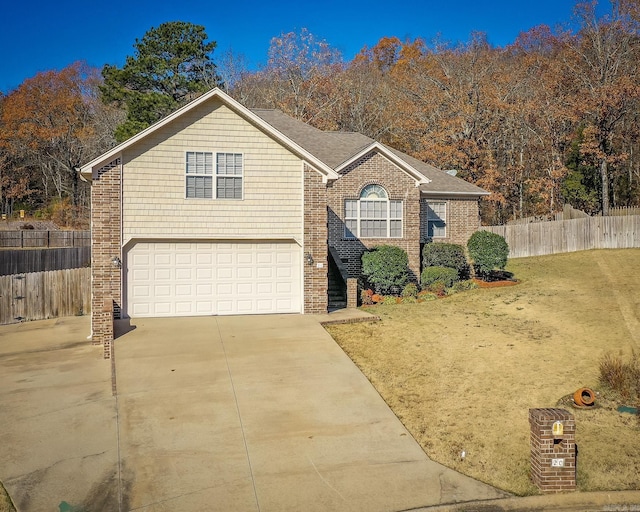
column 553, row 449
column 316, row 281
column 106, row 245
column 352, row 292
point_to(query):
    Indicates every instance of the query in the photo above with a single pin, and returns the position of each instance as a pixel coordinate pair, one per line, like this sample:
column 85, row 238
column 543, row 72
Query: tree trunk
column 604, row 173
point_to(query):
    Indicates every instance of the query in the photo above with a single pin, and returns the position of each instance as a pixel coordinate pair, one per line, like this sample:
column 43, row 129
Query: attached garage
column 175, row 278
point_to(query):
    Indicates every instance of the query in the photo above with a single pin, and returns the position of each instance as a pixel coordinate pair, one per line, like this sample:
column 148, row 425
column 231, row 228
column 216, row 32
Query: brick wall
column 463, row 219
column 105, row 245
column 373, row 168
column 315, row 243
column 547, row 450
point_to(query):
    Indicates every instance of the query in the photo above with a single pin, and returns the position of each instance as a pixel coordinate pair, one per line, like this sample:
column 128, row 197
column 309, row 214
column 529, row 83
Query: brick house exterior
column 374, row 168
column 177, row 230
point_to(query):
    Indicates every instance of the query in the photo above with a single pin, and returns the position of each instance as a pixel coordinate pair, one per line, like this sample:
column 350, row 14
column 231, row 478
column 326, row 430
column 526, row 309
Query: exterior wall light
column 115, row 261
column 308, row 258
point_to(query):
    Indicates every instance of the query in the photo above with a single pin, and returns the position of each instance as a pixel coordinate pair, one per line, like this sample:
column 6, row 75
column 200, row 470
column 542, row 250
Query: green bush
column 411, row 290
column 444, row 275
column 462, row 286
column 488, row 251
column 386, row 268
column 446, row 255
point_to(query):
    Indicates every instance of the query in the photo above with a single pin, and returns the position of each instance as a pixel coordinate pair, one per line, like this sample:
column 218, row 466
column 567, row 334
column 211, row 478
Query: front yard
column 462, row 372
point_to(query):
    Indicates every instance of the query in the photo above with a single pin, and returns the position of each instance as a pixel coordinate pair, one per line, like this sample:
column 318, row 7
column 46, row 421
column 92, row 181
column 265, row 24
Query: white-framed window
column 229, row 176
column 199, row 171
column 200, row 175
column 373, row 215
column 436, row 219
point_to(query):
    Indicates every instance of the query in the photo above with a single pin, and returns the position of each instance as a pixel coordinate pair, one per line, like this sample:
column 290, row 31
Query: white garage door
column 190, row 279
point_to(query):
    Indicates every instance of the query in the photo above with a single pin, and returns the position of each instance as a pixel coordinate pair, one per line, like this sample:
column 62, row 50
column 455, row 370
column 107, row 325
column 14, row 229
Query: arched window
column 373, row 215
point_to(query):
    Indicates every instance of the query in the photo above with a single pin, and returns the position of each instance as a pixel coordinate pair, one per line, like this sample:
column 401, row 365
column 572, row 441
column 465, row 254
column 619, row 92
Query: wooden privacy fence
column 39, row 260
column 42, row 295
column 554, row 237
column 32, row 238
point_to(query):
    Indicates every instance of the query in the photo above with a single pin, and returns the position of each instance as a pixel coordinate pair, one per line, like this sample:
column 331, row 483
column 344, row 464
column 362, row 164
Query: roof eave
column 327, row 172
column 454, row 193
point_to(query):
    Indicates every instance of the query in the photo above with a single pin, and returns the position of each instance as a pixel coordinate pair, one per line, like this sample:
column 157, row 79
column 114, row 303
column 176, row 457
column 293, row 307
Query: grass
column 5, row 502
column 462, row 372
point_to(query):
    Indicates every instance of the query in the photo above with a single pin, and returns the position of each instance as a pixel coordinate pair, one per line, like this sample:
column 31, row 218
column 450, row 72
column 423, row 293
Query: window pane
column 373, row 228
column 437, row 219
column 350, row 209
column 373, row 192
column 437, row 211
column 351, row 228
column 396, row 229
column 436, row 228
column 396, row 209
column 229, row 188
column 199, row 163
column 199, row 187
column 229, row 164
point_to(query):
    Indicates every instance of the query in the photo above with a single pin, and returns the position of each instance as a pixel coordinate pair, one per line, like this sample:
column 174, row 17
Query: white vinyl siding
column 373, row 215
column 155, row 205
column 437, row 219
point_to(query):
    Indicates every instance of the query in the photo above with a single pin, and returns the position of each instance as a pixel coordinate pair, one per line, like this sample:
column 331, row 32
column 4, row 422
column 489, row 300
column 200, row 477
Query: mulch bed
column 495, row 284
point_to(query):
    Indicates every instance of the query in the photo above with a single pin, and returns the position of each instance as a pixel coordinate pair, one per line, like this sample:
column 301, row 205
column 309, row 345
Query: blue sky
column 39, row 36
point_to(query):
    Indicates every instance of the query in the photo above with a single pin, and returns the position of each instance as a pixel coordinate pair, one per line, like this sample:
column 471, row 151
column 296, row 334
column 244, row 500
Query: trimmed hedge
column 386, row 268
column 446, row 255
column 488, row 251
column 432, row 275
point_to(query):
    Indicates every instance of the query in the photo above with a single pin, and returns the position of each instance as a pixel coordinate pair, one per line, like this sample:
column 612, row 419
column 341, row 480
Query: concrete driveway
column 259, row 413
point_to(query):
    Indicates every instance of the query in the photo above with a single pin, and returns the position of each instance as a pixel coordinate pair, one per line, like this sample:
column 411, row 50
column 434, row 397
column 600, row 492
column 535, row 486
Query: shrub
column 446, row 255
column 390, row 299
column 411, row 290
column 432, row 275
column 462, row 286
column 488, row 251
column 386, row 269
column 365, row 297
column 620, row 376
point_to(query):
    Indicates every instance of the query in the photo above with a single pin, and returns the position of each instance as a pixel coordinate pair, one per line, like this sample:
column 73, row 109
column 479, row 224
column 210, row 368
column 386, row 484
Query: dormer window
column 373, row 215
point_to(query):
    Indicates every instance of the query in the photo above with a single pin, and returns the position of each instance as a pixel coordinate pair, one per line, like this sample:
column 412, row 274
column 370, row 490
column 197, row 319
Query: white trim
column 420, row 178
column 326, row 171
column 426, row 194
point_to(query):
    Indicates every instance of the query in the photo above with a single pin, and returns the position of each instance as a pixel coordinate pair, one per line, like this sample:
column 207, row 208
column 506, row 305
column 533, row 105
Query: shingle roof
column 441, row 183
column 334, row 148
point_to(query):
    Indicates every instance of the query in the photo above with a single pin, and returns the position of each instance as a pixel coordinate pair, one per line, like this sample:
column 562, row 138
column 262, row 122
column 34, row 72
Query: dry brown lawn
column 5, row 502
column 462, row 372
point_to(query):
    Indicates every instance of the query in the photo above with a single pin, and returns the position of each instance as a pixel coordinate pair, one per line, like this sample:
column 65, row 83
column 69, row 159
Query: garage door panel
column 264, row 288
column 162, row 274
column 244, row 273
column 162, row 259
column 179, row 279
column 223, row 273
column 162, row 308
column 162, row 291
column 185, row 274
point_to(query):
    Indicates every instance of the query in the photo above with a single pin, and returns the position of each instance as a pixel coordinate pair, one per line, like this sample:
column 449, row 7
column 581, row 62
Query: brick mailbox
column 553, row 449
